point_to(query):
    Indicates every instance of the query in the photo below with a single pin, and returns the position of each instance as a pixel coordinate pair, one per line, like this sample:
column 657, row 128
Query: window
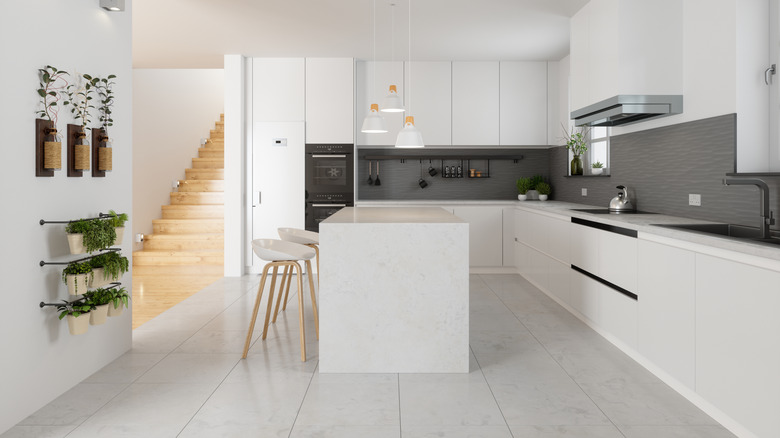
column 598, row 151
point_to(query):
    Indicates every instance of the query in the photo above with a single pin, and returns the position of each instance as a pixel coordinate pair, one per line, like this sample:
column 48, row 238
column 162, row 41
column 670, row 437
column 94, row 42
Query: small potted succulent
column 99, row 300
column 523, row 186
column 597, row 168
column 118, row 222
column 89, row 235
column 544, row 190
column 78, row 321
column 119, row 300
column 77, row 276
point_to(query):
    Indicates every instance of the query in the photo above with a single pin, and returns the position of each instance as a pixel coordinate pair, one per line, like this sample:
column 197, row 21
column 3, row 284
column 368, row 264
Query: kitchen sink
column 727, row 230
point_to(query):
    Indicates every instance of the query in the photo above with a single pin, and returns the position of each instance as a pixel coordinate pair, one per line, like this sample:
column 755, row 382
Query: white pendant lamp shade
column 409, row 136
column 374, row 123
column 392, row 102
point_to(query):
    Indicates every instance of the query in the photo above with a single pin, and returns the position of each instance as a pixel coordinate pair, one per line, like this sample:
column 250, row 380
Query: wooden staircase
column 186, row 250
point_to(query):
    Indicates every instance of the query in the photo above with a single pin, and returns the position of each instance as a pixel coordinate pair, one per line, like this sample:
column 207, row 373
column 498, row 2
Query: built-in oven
column 329, row 181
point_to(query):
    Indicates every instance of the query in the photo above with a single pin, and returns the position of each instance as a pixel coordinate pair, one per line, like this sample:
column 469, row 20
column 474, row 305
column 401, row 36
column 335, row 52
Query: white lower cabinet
column 560, row 280
column 586, row 296
column 666, row 309
column 738, row 341
column 617, row 259
column 617, row 315
column 585, row 247
column 485, row 234
column 508, row 238
column 523, row 259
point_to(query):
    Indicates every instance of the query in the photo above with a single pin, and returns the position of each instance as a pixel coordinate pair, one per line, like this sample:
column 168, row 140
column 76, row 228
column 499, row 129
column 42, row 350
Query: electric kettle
column 621, row 203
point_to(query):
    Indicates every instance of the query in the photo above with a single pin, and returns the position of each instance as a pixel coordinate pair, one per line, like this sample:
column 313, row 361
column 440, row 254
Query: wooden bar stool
column 288, row 254
column 302, row 237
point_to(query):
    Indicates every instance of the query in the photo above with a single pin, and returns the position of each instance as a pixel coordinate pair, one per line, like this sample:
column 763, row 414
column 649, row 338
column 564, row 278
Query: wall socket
column 584, row 192
column 694, row 199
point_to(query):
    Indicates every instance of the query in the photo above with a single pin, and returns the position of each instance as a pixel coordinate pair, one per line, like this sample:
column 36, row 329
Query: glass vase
column 576, row 165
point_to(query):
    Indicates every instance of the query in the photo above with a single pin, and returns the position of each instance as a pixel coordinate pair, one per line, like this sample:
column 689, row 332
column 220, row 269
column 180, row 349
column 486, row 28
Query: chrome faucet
column 767, row 218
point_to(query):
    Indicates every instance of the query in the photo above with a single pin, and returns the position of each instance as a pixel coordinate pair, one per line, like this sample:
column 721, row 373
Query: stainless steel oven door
column 329, row 173
column 316, row 213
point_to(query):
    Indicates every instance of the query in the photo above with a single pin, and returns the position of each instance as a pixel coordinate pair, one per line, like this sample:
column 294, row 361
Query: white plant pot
column 98, row 315
column 522, row 197
column 76, row 243
column 115, row 311
column 77, row 283
column 78, row 324
column 98, row 278
column 542, row 197
column 120, row 232
column 597, row 170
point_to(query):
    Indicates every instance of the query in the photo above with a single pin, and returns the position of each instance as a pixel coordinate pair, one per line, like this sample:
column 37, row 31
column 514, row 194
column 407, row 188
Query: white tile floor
column 536, row 371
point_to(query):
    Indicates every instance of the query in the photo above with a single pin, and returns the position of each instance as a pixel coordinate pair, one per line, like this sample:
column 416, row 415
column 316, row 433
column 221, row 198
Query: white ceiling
column 197, row 33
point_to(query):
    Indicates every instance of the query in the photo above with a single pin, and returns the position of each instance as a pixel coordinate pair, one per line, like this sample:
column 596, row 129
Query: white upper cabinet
column 373, row 82
column 523, row 103
column 475, row 103
column 278, row 89
column 330, row 100
column 616, row 48
column 430, row 102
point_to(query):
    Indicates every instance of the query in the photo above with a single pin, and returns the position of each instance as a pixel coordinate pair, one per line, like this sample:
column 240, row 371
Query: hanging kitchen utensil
column 423, row 184
column 370, row 180
column 376, row 181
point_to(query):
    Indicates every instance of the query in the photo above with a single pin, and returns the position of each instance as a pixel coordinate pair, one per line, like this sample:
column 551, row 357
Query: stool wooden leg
column 313, row 300
column 270, row 300
column 300, row 314
column 317, row 254
column 287, row 291
column 281, row 286
column 254, row 313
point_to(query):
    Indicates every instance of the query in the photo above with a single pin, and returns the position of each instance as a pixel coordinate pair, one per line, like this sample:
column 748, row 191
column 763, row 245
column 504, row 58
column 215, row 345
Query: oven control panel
column 330, row 197
column 329, row 148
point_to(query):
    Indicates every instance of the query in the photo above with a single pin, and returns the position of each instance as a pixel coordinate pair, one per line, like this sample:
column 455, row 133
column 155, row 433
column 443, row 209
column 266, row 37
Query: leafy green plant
column 98, row 234
column 535, row 181
column 74, row 309
column 523, row 185
column 119, row 296
column 597, row 165
column 576, row 141
column 105, row 92
column 99, row 297
column 113, row 264
column 51, row 83
column 79, row 98
column 117, row 219
column 543, row 188
column 76, row 269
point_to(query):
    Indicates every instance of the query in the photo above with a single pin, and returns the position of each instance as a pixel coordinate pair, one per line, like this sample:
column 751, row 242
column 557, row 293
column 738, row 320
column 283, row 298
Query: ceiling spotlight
column 113, row 5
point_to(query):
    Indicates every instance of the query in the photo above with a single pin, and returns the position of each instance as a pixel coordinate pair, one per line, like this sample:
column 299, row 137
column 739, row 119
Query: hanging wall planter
column 76, row 243
column 48, row 145
column 98, row 315
column 78, row 325
column 77, row 276
column 78, row 316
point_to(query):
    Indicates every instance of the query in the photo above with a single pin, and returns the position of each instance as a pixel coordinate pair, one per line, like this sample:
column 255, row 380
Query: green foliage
column 106, row 94
column 51, row 82
column 535, row 181
column 576, row 141
column 119, row 297
column 75, row 309
column 113, row 264
column 523, row 185
column 543, row 188
column 75, row 269
column 99, row 297
column 117, row 220
column 80, row 97
column 98, row 234
column 597, row 165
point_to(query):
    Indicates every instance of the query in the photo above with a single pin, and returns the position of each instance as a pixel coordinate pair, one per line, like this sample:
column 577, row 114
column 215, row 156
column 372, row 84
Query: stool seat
column 298, row 235
column 278, row 250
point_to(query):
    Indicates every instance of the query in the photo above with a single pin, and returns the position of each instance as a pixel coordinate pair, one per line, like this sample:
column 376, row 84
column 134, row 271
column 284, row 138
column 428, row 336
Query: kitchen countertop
column 436, row 202
column 383, row 215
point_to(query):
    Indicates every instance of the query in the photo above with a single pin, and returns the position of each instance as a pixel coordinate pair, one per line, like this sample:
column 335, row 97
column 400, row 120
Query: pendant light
column 374, row 123
column 392, row 102
column 409, row 136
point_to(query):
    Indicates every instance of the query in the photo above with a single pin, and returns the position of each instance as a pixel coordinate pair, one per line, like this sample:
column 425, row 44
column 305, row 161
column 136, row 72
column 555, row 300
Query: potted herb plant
column 78, row 321
column 99, row 300
column 119, row 300
column 597, row 168
column 77, row 276
column 544, row 190
column 118, row 222
column 79, row 98
column 535, row 180
column 92, row 234
column 577, row 142
column 523, row 186
column 108, row 267
column 52, row 82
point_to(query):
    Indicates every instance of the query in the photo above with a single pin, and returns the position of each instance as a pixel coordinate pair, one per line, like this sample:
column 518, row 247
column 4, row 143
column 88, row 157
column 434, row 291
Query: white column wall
column 172, row 110
column 235, row 163
column 40, row 360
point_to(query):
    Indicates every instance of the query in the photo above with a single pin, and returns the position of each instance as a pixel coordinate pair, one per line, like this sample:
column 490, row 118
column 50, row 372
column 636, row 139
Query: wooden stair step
column 179, row 270
column 188, row 226
column 211, row 153
column 183, row 242
column 219, row 126
column 197, row 198
column 211, row 174
column 221, row 117
column 184, row 211
column 165, row 258
column 208, row 163
column 216, row 133
column 201, row 185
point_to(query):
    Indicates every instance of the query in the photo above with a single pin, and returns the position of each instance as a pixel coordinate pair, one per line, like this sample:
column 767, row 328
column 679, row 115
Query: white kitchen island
column 394, row 291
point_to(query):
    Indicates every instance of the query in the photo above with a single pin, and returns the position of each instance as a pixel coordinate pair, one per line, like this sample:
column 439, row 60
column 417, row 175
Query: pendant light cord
column 373, row 50
column 410, row 56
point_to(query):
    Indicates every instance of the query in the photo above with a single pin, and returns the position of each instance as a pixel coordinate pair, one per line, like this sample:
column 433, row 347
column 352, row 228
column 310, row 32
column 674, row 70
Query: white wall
column 237, row 112
column 40, row 359
column 172, row 110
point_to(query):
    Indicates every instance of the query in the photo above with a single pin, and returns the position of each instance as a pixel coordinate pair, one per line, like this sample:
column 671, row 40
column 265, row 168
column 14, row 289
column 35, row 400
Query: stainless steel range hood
column 625, row 109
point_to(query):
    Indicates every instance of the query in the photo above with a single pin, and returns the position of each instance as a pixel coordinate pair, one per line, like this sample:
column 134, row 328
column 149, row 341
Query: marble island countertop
column 387, row 215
